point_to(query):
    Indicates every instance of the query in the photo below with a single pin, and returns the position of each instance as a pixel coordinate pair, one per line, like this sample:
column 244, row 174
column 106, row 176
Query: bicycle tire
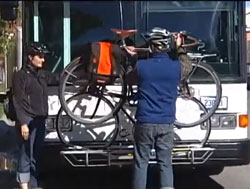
column 65, row 139
column 207, row 127
column 218, row 91
column 76, row 66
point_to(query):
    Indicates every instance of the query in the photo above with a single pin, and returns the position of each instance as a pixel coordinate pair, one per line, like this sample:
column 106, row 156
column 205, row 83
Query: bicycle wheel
column 194, row 135
column 188, row 115
column 76, row 80
column 73, row 133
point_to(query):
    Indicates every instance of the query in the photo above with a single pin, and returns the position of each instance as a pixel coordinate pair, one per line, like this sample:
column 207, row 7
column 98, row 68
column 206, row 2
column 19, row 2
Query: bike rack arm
column 200, row 56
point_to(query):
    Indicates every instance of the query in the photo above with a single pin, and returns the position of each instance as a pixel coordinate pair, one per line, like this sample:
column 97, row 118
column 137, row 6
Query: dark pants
column 27, row 168
column 153, row 136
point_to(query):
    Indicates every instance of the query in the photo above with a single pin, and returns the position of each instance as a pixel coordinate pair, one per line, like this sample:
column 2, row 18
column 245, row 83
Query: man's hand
column 25, row 131
column 179, row 40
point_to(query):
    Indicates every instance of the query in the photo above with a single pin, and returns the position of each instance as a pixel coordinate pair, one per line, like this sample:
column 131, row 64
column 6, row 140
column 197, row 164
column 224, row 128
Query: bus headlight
column 228, row 121
column 222, row 121
column 49, row 124
column 215, row 121
column 65, row 123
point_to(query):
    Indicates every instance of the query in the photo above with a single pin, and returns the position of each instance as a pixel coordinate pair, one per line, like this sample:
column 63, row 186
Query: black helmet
column 36, row 48
column 159, row 38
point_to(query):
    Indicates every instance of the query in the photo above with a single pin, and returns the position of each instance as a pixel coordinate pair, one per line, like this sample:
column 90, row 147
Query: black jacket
column 30, row 93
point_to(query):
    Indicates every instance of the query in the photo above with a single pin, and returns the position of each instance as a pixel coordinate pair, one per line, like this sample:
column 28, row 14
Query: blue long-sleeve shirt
column 158, row 77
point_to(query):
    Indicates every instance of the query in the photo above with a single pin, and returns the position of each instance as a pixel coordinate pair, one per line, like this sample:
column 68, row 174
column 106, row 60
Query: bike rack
column 191, row 155
column 123, row 155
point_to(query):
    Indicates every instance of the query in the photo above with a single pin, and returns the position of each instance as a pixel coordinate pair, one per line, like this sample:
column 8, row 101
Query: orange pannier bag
column 105, row 60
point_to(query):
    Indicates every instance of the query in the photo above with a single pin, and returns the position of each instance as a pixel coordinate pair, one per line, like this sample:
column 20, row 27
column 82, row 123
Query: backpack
column 104, row 61
column 8, row 106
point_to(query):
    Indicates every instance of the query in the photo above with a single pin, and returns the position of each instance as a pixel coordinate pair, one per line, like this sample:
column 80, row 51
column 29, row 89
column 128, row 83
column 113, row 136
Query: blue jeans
column 146, row 137
column 27, row 168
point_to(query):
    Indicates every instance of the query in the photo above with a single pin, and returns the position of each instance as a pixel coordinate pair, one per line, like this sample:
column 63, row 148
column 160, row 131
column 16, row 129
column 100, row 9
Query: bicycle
column 111, row 129
column 80, row 83
column 75, row 80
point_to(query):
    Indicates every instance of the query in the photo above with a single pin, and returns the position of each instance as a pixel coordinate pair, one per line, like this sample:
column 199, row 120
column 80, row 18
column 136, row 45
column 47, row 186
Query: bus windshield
column 65, row 26
column 215, row 23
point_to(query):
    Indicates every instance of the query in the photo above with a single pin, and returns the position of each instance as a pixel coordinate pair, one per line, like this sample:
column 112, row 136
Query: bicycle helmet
column 159, row 38
column 36, row 48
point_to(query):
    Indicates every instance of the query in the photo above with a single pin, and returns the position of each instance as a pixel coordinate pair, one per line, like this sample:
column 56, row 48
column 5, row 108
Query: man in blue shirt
column 158, row 78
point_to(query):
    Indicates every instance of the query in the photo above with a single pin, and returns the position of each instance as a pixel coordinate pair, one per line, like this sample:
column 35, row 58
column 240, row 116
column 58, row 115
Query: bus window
column 128, row 14
column 91, row 21
column 51, row 31
column 214, row 23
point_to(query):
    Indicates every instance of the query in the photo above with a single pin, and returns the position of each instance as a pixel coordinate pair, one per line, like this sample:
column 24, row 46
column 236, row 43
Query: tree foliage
column 7, row 36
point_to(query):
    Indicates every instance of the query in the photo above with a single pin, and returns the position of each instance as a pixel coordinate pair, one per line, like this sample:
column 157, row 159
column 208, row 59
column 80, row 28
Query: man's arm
column 186, row 63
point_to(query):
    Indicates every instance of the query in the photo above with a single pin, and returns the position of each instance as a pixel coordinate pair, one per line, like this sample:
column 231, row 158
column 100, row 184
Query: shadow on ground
column 120, row 178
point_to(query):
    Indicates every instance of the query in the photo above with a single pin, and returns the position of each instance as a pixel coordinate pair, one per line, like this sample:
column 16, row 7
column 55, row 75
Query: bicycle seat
column 123, row 33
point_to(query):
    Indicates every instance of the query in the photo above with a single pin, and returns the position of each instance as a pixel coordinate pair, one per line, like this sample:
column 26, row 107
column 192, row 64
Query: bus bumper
column 226, row 153
column 230, row 152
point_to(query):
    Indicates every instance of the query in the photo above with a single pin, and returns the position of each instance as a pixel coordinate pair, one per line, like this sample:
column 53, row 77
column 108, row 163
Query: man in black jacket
column 30, row 99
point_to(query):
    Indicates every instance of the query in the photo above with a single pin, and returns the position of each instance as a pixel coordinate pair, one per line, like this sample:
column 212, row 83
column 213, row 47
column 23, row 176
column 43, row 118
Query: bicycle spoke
column 96, row 107
column 69, row 73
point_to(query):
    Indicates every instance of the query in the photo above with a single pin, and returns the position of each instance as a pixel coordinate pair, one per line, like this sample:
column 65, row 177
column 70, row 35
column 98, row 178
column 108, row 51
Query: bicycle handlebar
column 195, row 42
column 184, row 34
column 126, row 33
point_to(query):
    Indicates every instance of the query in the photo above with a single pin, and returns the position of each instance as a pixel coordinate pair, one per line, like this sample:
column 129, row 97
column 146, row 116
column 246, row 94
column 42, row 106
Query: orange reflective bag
column 104, row 61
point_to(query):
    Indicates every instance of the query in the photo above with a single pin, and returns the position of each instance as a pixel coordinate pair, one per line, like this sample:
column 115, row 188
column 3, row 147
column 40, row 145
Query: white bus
column 66, row 25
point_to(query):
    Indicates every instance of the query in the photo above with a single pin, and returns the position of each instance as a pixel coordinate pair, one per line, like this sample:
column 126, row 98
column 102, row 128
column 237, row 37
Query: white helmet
column 159, row 38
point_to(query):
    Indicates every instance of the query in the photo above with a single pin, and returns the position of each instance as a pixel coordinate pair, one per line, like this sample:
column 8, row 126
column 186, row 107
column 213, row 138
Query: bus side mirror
column 8, row 10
